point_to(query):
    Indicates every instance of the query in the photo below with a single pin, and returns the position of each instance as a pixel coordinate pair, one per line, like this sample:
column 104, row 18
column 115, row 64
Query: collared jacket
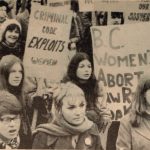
column 133, row 138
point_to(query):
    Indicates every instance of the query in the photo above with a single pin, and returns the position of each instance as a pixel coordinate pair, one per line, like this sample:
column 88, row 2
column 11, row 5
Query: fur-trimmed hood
column 6, row 23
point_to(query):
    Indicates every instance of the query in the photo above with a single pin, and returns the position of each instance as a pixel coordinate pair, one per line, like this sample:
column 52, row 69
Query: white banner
column 46, row 53
column 122, row 5
column 121, row 56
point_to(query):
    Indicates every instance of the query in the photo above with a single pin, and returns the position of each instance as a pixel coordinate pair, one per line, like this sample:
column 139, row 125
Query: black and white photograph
column 74, row 74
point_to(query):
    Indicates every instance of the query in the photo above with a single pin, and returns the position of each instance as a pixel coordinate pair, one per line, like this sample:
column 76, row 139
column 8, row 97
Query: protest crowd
column 66, row 107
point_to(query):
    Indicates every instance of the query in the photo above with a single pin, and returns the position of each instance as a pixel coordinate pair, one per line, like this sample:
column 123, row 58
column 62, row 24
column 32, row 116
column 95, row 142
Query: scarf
column 16, row 46
column 12, row 144
column 61, row 127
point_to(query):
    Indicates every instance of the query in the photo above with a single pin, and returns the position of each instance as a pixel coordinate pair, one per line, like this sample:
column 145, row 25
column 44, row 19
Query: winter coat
column 133, row 138
column 6, row 50
column 88, row 140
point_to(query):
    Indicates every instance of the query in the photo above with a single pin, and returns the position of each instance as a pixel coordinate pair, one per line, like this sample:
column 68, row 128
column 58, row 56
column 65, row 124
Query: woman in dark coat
column 70, row 128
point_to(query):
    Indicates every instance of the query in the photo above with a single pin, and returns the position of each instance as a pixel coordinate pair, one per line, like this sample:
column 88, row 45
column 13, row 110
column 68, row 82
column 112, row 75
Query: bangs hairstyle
column 118, row 15
column 5, row 65
column 11, row 27
column 68, row 90
column 74, row 63
column 9, row 104
column 139, row 104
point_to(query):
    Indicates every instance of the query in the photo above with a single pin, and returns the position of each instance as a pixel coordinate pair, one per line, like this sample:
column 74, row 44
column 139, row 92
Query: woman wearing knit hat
column 10, row 120
column 10, row 32
column 11, row 79
column 70, row 128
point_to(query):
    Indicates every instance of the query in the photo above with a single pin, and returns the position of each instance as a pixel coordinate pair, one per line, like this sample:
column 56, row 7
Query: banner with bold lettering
column 46, row 54
column 121, row 56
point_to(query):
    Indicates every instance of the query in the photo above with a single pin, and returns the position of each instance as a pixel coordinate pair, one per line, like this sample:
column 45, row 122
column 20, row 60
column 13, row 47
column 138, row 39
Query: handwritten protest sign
column 46, row 53
column 121, row 56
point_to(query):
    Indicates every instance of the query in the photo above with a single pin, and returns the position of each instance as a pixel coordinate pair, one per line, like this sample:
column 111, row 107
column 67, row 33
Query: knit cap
column 6, row 23
column 9, row 103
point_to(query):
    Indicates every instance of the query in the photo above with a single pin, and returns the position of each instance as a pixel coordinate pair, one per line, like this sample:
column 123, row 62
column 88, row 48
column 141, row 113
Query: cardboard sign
column 121, row 56
column 46, row 53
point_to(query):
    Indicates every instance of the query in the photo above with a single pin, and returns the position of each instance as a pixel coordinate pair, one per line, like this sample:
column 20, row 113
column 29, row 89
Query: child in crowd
column 10, row 33
column 70, row 128
column 10, row 120
column 81, row 72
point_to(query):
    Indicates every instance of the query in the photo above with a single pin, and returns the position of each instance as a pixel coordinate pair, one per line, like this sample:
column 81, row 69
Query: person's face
column 73, row 109
column 15, row 75
column 147, row 96
column 9, row 126
column 116, row 21
column 84, row 70
column 11, row 36
column 102, row 18
column 3, row 14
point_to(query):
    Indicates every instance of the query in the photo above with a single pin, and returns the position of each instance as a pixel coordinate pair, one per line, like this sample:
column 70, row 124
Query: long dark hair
column 139, row 104
column 5, row 65
column 90, row 87
column 118, row 15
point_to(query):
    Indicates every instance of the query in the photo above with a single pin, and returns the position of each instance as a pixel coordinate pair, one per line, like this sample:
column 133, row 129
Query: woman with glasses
column 11, row 80
column 10, row 120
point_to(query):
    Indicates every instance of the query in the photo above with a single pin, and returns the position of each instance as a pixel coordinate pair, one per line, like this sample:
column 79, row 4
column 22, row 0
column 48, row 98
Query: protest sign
column 86, row 5
column 122, row 5
column 46, row 52
column 121, row 56
column 59, row 5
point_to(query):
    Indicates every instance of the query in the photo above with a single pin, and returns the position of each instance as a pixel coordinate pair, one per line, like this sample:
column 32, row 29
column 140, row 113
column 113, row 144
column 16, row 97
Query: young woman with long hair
column 11, row 80
column 81, row 72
